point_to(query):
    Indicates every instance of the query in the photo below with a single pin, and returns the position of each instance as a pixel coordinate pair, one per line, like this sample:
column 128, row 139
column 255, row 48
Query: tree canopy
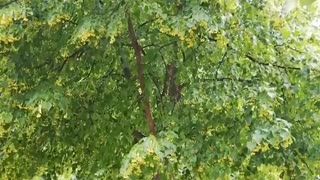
column 183, row 89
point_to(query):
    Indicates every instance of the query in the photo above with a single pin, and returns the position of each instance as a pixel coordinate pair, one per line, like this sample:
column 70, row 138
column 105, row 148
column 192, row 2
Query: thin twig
column 91, row 68
column 69, row 21
column 78, row 52
column 250, row 57
column 294, row 49
column 108, row 74
column 168, row 44
column 148, row 45
column 115, row 9
column 158, row 89
column 304, row 162
column 221, row 62
column 228, row 79
column 149, row 21
column 183, row 55
column 155, row 83
column 194, row 51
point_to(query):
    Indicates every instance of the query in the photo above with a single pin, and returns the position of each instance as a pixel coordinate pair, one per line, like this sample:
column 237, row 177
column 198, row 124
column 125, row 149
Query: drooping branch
column 138, row 54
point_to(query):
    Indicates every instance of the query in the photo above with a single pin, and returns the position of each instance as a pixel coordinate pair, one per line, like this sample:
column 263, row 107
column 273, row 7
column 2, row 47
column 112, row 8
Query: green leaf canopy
column 233, row 87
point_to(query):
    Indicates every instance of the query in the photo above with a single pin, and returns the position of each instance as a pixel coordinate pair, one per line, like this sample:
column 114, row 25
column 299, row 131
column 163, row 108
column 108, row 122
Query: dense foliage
column 232, row 88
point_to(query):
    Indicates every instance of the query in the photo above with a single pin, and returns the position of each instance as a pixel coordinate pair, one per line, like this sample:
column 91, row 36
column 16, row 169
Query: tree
column 224, row 88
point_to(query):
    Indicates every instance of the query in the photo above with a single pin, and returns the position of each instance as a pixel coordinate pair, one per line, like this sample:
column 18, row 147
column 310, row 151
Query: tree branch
column 287, row 46
column 220, row 62
column 69, row 21
column 8, row 3
column 154, row 80
column 303, row 161
column 148, row 21
column 253, row 59
column 138, row 54
column 229, row 79
column 78, row 52
column 168, row 44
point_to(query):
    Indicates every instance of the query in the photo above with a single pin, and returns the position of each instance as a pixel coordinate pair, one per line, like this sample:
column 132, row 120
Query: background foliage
column 244, row 104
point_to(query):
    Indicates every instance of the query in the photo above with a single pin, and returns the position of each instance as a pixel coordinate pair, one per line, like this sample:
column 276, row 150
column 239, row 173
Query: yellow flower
column 203, row 23
column 58, row 82
column 5, row 21
column 2, row 131
column 200, row 169
column 287, row 143
column 222, row 41
column 85, row 35
column 8, row 39
column 164, row 29
column 112, row 40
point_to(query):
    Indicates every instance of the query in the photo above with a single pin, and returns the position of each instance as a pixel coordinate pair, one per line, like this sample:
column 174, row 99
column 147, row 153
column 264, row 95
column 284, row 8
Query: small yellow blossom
column 203, row 23
column 5, row 21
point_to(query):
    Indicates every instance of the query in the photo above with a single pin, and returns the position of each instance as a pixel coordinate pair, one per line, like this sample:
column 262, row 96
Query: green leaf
column 46, row 105
column 257, row 137
column 6, row 117
column 251, row 145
